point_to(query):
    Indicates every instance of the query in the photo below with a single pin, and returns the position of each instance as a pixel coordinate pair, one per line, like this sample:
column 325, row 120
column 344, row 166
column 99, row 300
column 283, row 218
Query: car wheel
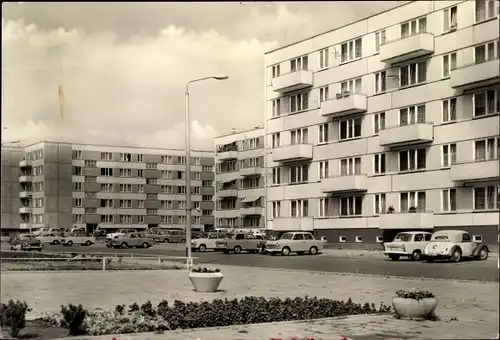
column 88, row 243
column 166, row 240
column 202, row 247
column 416, row 255
column 313, row 250
column 483, row 254
column 394, row 257
column 285, row 251
column 145, row 245
column 124, row 245
column 70, row 243
column 456, row 255
column 237, row 249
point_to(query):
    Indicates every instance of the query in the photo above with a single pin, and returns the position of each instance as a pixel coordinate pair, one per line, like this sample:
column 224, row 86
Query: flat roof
column 239, row 132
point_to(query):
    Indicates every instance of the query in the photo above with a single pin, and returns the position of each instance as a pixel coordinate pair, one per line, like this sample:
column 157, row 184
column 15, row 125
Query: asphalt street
column 465, row 270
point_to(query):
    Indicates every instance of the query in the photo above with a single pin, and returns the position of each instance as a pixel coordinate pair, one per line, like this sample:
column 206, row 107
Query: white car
column 206, row 242
column 295, row 242
column 409, row 244
column 120, row 232
column 453, row 245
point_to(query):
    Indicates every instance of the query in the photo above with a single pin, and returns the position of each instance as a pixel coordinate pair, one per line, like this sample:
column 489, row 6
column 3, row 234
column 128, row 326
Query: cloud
column 128, row 91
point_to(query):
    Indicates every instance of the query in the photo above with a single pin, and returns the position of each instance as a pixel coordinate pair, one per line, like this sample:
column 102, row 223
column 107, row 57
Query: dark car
column 100, row 233
column 25, row 242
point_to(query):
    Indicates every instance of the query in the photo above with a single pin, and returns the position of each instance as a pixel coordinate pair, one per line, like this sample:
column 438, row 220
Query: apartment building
column 390, row 123
column 240, row 188
column 82, row 185
column 11, row 155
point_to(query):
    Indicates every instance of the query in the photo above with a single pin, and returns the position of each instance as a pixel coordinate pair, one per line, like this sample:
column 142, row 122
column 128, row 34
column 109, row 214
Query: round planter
column 411, row 308
column 205, row 282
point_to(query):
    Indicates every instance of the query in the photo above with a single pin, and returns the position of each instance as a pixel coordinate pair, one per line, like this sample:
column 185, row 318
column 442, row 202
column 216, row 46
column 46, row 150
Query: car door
column 298, row 243
column 467, row 245
column 418, row 243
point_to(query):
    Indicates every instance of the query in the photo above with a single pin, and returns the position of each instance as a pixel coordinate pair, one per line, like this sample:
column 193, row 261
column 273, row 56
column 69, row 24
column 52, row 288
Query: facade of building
column 66, row 185
column 387, row 124
column 10, row 204
column 240, row 188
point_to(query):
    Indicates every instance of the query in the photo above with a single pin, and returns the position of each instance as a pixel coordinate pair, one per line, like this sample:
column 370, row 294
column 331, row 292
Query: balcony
column 24, row 194
column 294, row 152
column 344, row 184
column 25, row 163
column 228, row 213
column 25, row 179
column 417, row 220
column 475, row 75
column 25, row 210
column 227, row 155
column 475, row 171
column 251, row 211
column 224, row 193
column 293, row 81
column 293, row 224
column 24, row 225
column 343, row 105
column 406, row 135
column 254, row 171
column 404, row 49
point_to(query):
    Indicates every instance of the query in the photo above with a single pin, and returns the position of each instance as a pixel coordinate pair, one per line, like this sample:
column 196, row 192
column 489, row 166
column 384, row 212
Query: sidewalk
column 371, row 253
column 475, row 304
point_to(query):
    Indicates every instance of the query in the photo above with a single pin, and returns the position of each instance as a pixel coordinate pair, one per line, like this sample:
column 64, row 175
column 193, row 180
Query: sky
column 123, row 67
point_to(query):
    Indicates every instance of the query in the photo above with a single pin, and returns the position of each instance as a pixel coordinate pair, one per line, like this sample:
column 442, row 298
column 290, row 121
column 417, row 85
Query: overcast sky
column 123, row 66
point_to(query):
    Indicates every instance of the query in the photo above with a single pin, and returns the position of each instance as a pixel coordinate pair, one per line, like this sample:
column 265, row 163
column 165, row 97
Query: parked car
column 39, row 231
column 77, row 238
column 120, row 232
column 99, row 232
column 409, row 244
column 25, row 242
column 207, row 241
column 158, row 234
column 175, row 236
column 453, row 245
column 51, row 238
column 239, row 242
column 57, row 231
column 295, row 242
column 130, row 240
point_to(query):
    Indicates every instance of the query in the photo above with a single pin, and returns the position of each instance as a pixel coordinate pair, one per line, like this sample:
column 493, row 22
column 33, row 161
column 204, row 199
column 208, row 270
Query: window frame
column 276, row 107
column 447, row 19
column 380, row 79
column 300, row 97
column 415, row 192
column 447, row 193
column 416, row 113
column 302, row 208
column 450, row 57
column 377, row 125
column 276, row 209
column 486, row 14
column 382, row 203
column 417, row 24
column 354, row 206
column 324, row 57
column 449, row 159
column 323, row 133
column 323, row 169
column 496, row 103
column 323, row 207
column 351, row 54
column 495, row 197
column 351, row 127
column 418, row 81
column 448, row 103
column 324, row 93
column 416, row 168
column 301, row 174
column 380, row 39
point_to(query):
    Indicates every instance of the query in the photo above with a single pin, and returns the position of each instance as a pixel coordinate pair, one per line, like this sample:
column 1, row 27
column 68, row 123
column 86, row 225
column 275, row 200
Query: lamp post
column 188, row 162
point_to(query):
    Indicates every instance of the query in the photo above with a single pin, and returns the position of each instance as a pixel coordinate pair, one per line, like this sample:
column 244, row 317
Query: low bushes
column 13, row 316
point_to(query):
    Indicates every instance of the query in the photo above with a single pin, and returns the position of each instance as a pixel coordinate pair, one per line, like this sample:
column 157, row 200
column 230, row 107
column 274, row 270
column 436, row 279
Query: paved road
column 467, row 270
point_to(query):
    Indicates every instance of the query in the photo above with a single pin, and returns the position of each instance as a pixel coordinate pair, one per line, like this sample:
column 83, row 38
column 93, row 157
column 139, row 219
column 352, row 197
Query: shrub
column 205, row 270
column 148, row 309
column 119, row 309
column 13, row 316
column 73, row 318
column 417, row 294
column 133, row 308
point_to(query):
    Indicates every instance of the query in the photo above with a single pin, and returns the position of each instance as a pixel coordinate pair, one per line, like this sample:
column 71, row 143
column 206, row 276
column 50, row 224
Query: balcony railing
column 473, row 75
column 344, row 104
column 293, row 152
column 25, row 163
column 345, row 183
column 407, row 48
column 293, row 81
column 420, row 219
column 251, row 171
column 25, row 178
column 480, row 170
column 407, row 134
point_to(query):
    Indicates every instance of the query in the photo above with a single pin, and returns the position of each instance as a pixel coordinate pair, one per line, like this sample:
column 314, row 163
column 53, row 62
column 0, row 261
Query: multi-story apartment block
column 388, row 124
column 65, row 185
column 240, row 193
column 10, row 203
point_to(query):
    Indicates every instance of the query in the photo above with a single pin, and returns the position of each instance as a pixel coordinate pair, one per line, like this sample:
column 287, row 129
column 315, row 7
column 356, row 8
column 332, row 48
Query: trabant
column 51, row 238
column 207, row 241
column 295, row 242
column 77, row 238
column 130, row 240
column 409, row 244
column 239, row 242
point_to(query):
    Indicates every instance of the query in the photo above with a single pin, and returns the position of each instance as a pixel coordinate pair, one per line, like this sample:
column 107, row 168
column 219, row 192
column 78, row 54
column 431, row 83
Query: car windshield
column 404, row 237
column 286, row 236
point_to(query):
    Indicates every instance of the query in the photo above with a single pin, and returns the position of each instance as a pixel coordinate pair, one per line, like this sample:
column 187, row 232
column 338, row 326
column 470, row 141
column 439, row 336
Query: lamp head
column 221, row 77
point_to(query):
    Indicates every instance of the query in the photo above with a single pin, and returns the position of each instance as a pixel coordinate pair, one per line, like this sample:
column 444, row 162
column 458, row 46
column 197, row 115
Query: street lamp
column 188, row 163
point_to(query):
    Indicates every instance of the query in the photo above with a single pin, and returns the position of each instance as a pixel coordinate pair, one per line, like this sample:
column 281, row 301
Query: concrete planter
column 412, row 308
column 205, row 282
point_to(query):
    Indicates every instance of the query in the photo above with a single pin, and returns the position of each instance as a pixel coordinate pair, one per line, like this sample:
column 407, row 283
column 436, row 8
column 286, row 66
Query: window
column 449, row 152
column 166, row 204
column 125, row 203
column 91, row 210
column 140, row 188
column 140, row 157
column 323, row 133
column 106, row 203
column 106, row 156
column 151, row 166
column 410, row 160
column 351, row 205
column 486, row 198
column 380, row 39
column 414, row 200
column 77, row 170
column 350, row 50
column 276, row 209
column 342, row 239
column 299, row 102
column 323, row 94
column 380, row 82
column 79, row 218
column 359, row 239
column 323, row 207
column 412, row 74
column 78, row 202
column 90, row 179
column 411, row 115
column 379, row 204
column 485, row 103
column 323, row 169
column 450, row 19
column 152, row 211
column 299, row 173
column 379, row 163
column 350, row 128
column 350, row 166
column 77, row 154
column 166, row 159
column 91, row 164
column 485, row 52
column 276, row 107
column 106, row 187
column 413, row 27
column 298, row 64
column 125, row 187
column 125, row 157
column 449, row 200
column 486, row 149
column 276, row 175
column 380, row 239
column 106, row 171
column 449, row 64
column 276, row 140
column 449, row 108
column 181, row 160
column 125, row 218
column 351, row 86
column 486, row 9
column 299, row 208
column 378, row 122
column 77, row 186
column 298, row 136
column 125, row 172
column 323, row 58
column 253, row 143
column 275, row 71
